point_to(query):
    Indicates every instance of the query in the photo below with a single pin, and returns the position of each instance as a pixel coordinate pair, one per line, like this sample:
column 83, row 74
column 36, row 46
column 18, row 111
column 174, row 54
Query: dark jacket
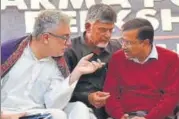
column 91, row 82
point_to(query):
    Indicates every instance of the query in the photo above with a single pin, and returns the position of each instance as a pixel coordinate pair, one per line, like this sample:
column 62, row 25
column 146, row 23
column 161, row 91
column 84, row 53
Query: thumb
column 125, row 116
column 101, row 94
column 87, row 57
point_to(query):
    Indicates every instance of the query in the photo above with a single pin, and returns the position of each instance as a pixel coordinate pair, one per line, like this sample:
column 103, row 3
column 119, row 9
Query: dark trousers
column 137, row 113
column 100, row 113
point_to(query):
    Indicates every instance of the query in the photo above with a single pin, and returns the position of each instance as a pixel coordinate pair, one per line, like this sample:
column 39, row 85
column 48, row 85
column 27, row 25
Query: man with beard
column 96, row 39
column 143, row 79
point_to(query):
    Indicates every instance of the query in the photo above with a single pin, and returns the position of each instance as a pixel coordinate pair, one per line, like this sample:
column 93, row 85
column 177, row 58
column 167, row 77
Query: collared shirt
column 34, row 84
column 150, row 86
column 80, row 48
column 90, row 82
column 153, row 54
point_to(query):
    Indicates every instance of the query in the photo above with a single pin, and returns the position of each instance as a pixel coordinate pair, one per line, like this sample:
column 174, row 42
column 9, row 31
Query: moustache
column 105, row 40
column 125, row 51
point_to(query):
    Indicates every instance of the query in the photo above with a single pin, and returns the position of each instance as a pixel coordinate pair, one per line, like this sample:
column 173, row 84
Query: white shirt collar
column 153, row 54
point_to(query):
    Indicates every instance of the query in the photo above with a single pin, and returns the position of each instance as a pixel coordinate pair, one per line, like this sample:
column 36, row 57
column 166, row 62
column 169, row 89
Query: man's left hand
column 136, row 117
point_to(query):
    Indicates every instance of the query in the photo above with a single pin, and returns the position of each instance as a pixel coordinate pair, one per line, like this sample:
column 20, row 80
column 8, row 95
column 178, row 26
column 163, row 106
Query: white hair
column 101, row 12
column 48, row 20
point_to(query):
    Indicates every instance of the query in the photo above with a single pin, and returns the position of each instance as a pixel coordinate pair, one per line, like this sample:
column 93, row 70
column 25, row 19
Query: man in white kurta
column 35, row 84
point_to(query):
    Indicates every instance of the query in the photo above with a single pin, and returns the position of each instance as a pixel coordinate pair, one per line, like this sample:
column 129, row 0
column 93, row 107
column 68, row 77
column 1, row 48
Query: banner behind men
column 17, row 16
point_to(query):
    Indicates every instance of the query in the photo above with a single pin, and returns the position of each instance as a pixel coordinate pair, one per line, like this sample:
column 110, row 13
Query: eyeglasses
column 127, row 42
column 63, row 37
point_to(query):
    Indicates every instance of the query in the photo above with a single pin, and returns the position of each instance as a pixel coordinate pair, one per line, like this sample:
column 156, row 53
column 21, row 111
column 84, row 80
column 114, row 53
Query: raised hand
column 84, row 66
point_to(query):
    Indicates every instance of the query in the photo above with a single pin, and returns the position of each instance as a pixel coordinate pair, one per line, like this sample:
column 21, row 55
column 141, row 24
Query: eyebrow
column 66, row 35
column 102, row 27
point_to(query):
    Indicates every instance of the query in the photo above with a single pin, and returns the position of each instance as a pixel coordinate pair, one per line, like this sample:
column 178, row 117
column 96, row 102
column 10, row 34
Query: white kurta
column 34, row 84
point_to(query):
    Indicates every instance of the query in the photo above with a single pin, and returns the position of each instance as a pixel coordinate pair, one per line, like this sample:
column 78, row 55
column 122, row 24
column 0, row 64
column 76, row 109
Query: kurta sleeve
column 59, row 92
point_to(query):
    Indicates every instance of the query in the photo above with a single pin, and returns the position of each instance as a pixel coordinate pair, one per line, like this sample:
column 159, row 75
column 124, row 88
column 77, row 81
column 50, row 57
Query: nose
column 68, row 43
column 124, row 46
column 108, row 33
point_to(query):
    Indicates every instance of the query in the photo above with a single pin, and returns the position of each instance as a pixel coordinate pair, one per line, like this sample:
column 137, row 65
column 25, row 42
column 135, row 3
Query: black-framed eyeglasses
column 63, row 37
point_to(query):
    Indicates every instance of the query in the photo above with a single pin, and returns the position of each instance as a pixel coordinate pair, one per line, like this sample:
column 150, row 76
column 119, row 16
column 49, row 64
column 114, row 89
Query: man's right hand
column 98, row 99
column 84, row 66
column 125, row 116
column 11, row 116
